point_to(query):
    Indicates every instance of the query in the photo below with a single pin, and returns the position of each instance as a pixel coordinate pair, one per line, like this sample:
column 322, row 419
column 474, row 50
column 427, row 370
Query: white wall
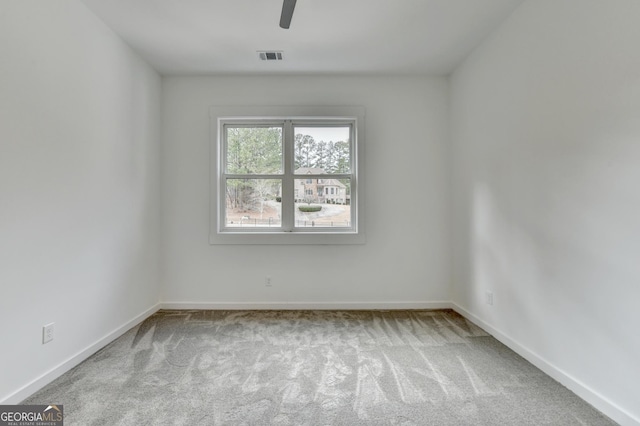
column 406, row 257
column 79, row 191
column 546, row 181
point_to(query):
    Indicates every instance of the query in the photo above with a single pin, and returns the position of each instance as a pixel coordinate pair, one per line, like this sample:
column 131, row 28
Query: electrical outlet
column 489, row 297
column 267, row 281
column 47, row 333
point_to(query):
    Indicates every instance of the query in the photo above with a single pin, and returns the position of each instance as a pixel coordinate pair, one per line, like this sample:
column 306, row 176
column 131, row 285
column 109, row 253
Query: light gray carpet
column 311, row 368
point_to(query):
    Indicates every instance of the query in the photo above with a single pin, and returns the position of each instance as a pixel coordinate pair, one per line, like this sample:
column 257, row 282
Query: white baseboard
column 54, row 373
column 306, row 305
column 598, row 401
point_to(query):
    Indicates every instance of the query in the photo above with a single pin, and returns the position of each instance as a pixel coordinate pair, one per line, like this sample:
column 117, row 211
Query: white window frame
column 299, row 116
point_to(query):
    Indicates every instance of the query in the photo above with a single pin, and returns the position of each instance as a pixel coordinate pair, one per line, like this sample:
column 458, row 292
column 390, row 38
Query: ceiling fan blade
column 287, row 13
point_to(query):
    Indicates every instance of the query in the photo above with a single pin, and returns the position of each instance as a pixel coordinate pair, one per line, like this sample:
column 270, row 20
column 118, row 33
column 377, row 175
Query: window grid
column 289, row 194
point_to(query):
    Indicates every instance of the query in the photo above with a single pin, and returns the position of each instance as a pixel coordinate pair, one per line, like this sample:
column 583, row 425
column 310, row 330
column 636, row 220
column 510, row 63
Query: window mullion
column 287, row 181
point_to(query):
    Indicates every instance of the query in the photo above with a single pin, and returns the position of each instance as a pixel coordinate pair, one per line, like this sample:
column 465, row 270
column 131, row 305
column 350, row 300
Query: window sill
column 284, row 238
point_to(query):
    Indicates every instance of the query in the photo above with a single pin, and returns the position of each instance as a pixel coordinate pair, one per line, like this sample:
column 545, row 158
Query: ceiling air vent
column 270, row 56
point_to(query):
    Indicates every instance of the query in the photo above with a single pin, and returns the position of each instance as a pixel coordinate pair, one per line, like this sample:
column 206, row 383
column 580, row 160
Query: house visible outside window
column 264, row 163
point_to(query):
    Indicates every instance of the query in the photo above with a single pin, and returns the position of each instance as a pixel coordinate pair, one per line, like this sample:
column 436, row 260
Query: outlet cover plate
column 489, row 297
column 47, row 333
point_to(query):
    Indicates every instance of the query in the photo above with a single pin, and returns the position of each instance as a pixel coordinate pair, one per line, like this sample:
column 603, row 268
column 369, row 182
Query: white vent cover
column 275, row 55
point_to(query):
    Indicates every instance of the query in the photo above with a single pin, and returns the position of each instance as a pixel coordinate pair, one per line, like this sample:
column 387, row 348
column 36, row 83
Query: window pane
column 254, row 150
column 253, row 203
column 320, row 150
column 317, row 207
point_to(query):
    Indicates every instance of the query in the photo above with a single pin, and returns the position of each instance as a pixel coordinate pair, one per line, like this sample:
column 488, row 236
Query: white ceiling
column 326, row 36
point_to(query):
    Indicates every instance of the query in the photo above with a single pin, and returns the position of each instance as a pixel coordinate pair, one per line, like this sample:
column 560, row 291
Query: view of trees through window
column 254, row 166
column 312, row 150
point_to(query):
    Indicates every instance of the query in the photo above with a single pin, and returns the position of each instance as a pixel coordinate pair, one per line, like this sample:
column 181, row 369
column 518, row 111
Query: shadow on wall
column 502, row 255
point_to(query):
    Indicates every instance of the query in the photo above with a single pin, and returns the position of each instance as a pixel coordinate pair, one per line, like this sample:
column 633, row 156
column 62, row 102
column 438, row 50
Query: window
column 271, row 177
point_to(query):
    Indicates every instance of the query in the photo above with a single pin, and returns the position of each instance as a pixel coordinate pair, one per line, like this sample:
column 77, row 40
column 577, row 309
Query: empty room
column 320, row 212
